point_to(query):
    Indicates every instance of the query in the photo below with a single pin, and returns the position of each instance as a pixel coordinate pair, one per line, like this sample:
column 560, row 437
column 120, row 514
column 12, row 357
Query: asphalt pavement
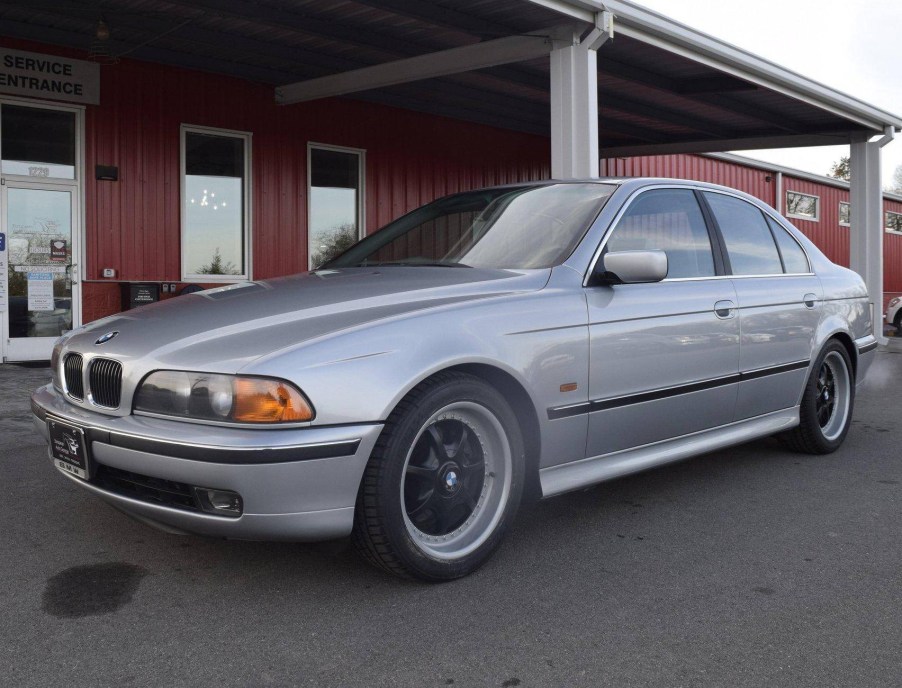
column 752, row 566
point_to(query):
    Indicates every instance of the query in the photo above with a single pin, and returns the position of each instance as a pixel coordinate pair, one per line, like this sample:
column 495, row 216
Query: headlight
column 893, row 302
column 230, row 398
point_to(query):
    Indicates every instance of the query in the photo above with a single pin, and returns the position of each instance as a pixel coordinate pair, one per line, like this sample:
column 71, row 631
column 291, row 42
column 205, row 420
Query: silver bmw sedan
column 542, row 336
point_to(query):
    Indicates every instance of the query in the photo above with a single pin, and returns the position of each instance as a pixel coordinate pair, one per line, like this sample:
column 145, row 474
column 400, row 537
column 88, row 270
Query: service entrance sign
column 49, row 77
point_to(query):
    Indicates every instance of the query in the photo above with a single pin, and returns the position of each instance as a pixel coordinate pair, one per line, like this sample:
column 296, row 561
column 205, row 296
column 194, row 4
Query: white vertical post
column 866, row 232
column 574, row 103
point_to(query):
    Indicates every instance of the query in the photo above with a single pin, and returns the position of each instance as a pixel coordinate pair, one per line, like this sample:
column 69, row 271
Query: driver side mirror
column 631, row 267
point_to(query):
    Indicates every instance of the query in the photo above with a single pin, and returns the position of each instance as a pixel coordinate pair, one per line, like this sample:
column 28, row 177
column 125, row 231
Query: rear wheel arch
column 847, row 341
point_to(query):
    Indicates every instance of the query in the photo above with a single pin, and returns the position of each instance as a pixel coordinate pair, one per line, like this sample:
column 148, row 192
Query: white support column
column 574, row 102
column 866, row 232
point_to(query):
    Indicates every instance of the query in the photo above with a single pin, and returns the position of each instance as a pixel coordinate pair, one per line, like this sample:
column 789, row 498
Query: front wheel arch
column 523, row 406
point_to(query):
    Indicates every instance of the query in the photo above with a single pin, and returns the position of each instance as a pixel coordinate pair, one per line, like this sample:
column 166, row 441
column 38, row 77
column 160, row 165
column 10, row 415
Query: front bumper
column 296, row 484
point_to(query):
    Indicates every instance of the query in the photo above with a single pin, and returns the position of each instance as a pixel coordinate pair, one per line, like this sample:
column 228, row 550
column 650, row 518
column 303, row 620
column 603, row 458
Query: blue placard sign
column 2, row 241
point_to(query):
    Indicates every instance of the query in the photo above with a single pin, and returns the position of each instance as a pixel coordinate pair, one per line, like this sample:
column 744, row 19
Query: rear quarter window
column 794, row 258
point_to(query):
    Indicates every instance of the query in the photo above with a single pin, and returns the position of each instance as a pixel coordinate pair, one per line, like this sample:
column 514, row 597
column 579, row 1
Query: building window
column 802, row 206
column 335, row 201
column 845, row 214
column 37, row 142
column 893, row 221
column 215, row 204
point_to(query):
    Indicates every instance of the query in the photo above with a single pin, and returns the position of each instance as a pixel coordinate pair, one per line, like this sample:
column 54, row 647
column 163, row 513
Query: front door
column 664, row 357
column 39, row 227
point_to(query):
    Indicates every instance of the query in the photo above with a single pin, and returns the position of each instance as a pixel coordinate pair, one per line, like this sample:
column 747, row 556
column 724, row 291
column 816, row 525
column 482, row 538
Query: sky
column 850, row 47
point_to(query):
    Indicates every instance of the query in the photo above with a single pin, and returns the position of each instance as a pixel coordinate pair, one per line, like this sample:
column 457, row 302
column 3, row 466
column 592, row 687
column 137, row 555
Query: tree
column 337, row 241
column 840, row 169
column 896, row 183
column 217, row 266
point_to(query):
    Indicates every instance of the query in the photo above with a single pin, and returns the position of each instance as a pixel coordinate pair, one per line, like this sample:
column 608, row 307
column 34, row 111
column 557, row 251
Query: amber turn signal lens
column 259, row 400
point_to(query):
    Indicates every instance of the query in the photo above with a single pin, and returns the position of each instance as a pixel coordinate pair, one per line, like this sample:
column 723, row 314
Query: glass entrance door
column 37, row 226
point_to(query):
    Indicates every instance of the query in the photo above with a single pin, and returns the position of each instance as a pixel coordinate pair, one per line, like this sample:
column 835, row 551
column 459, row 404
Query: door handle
column 725, row 309
column 810, row 300
column 70, row 270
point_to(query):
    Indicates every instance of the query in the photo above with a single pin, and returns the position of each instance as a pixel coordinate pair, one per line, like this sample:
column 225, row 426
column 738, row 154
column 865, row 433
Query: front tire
column 825, row 413
column 444, row 481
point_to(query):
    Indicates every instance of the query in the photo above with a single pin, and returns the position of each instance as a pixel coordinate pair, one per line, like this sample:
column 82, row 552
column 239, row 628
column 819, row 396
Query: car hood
column 226, row 328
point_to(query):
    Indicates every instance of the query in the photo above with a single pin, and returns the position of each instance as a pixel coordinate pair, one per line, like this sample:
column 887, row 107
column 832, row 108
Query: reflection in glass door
column 37, row 224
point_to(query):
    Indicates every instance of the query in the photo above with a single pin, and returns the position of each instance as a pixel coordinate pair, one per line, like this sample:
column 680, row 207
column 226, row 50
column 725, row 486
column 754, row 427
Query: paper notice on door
column 40, row 291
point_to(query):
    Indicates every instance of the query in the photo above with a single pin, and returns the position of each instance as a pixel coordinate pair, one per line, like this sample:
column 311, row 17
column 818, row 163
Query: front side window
column 893, row 221
column 668, row 220
column 845, row 213
column 522, row 227
column 750, row 244
column 335, row 218
column 214, row 205
column 802, row 206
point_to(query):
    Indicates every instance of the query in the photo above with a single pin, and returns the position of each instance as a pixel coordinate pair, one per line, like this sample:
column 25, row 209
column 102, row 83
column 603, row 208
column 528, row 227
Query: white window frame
column 817, row 206
column 841, row 223
column 886, row 222
column 361, row 193
column 246, row 136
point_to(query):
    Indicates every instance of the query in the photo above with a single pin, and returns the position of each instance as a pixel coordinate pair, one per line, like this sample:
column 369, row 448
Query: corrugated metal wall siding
column 696, row 167
column 831, row 237
column 410, row 159
column 133, row 225
column 892, row 257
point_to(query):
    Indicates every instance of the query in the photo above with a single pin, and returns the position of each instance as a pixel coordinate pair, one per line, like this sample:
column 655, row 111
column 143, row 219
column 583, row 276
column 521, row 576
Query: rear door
column 663, row 357
column 779, row 302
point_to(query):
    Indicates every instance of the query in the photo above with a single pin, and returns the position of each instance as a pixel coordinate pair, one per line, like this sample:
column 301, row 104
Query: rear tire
column 825, row 413
column 444, row 481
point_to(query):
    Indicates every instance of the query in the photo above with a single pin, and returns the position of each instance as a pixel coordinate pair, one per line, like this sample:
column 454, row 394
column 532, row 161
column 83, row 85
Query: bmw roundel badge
column 103, row 339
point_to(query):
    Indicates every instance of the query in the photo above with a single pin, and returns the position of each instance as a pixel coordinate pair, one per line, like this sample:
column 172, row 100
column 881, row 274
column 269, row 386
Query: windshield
column 513, row 227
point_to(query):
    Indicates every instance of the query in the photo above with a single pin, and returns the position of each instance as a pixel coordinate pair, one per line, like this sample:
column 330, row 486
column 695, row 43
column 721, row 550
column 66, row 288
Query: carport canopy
column 601, row 79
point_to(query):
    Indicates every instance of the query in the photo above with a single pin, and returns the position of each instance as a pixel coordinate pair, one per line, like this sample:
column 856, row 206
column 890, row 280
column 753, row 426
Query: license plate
column 69, row 449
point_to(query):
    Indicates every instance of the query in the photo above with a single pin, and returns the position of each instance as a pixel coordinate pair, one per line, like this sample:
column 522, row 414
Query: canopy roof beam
column 442, row 63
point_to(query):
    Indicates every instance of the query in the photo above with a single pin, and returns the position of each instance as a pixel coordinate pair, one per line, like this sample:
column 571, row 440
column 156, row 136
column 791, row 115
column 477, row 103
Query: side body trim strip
column 557, row 412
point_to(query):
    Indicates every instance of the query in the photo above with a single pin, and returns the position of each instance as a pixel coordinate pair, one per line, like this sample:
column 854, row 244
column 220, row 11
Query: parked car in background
column 894, row 314
column 550, row 335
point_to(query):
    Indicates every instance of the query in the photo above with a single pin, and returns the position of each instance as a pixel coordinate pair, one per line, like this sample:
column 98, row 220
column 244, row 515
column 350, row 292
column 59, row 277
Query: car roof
column 634, row 182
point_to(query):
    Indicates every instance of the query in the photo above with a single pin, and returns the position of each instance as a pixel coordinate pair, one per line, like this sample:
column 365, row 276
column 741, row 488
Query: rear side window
column 750, row 244
column 794, row 258
column 668, row 220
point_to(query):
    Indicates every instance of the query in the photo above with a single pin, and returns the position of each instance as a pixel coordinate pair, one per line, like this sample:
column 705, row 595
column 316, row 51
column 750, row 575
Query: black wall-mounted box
column 136, row 294
column 106, row 173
